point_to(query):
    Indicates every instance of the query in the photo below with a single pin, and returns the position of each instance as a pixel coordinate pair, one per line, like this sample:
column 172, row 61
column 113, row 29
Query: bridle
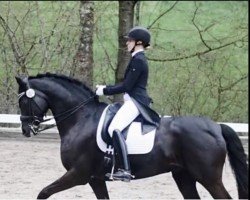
column 35, row 120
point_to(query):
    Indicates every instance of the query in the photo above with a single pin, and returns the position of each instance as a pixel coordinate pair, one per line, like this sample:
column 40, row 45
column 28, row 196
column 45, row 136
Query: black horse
column 193, row 148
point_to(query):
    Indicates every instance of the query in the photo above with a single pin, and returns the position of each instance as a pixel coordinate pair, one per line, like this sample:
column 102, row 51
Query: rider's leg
column 121, row 149
column 125, row 115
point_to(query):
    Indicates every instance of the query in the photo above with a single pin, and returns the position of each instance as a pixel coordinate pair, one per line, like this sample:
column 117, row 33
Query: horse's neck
column 61, row 99
column 66, row 103
column 60, row 104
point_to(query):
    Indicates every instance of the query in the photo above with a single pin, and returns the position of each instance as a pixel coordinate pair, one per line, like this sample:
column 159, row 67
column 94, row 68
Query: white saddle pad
column 136, row 142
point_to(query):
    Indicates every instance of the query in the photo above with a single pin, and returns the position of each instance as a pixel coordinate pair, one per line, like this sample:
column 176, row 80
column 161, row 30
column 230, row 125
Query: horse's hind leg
column 99, row 187
column 186, row 184
column 212, row 180
column 217, row 190
column 70, row 179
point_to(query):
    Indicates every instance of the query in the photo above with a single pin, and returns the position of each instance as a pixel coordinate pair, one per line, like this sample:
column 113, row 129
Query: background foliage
column 198, row 59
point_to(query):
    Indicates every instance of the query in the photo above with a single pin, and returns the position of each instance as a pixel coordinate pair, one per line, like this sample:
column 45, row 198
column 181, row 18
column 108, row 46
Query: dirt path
column 26, row 166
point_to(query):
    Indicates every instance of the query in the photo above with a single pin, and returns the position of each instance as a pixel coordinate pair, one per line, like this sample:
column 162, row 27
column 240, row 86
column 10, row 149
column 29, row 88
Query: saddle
column 111, row 111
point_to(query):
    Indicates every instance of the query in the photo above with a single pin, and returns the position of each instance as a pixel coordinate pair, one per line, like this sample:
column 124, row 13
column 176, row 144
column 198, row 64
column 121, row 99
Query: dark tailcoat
column 134, row 83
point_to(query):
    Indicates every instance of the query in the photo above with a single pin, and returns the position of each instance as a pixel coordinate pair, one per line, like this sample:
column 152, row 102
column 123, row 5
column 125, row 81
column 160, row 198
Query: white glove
column 99, row 89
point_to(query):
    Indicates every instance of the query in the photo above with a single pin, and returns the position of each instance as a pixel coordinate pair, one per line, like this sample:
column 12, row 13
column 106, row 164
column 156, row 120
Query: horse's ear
column 18, row 80
column 21, row 81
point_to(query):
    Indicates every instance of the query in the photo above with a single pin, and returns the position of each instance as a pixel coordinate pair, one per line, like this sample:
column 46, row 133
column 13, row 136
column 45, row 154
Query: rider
column 135, row 96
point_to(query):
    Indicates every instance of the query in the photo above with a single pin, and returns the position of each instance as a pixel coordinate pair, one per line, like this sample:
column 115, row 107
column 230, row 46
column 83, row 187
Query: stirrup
column 122, row 175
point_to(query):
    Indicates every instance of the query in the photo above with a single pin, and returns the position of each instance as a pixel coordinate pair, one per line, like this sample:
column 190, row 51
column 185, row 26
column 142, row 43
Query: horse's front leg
column 70, row 179
column 99, row 187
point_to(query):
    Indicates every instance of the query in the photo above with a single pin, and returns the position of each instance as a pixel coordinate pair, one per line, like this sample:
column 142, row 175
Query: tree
column 126, row 21
column 198, row 58
column 83, row 61
column 19, row 56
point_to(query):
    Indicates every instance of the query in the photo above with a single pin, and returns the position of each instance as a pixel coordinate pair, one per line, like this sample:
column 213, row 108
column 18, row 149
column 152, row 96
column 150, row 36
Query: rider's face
column 130, row 44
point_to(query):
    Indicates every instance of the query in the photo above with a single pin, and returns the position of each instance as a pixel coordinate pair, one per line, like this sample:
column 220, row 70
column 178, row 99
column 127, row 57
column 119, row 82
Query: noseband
column 36, row 121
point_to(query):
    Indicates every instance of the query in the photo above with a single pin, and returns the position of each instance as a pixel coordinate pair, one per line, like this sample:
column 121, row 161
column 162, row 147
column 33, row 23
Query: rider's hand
column 99, row 89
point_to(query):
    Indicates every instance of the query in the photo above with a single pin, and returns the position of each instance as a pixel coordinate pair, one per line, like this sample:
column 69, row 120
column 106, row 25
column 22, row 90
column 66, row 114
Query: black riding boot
column 121, row 148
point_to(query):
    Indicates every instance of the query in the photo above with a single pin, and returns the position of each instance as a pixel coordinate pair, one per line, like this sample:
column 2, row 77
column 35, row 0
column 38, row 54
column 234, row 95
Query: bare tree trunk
column 83, row 61
column 137, row 13
column 126, row 21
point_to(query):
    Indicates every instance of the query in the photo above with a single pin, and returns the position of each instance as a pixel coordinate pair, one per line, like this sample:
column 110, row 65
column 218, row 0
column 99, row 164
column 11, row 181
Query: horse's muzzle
column 26, row 130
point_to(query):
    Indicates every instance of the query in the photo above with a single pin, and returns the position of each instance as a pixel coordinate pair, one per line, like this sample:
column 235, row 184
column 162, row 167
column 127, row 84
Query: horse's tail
column 237, row 159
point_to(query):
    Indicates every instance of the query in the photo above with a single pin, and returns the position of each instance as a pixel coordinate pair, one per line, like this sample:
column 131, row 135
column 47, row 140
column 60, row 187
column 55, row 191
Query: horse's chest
column 69, row 153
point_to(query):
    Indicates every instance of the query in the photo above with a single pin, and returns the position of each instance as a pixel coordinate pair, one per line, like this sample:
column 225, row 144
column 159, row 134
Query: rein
column 70, row 111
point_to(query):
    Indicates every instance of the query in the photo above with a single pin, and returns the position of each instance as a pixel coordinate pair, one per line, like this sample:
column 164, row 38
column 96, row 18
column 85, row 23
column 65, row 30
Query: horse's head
column 63, row 95
column 33, row 105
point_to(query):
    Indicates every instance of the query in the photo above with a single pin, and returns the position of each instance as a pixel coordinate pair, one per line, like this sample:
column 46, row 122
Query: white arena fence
column 15, row 119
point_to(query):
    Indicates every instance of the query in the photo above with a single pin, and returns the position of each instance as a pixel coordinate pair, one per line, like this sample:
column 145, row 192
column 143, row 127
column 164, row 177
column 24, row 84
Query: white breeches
column 125, row 115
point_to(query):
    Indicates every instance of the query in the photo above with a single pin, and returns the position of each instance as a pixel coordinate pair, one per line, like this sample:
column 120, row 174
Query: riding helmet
column 139, row 33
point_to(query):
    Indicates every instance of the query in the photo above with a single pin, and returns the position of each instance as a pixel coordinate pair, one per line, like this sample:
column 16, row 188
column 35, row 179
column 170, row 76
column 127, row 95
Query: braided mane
column 64, row 78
